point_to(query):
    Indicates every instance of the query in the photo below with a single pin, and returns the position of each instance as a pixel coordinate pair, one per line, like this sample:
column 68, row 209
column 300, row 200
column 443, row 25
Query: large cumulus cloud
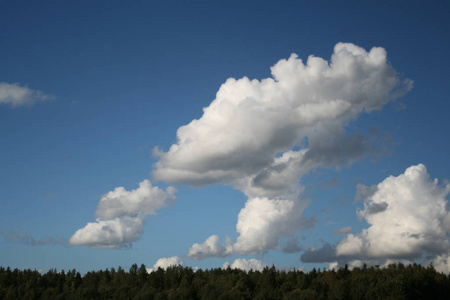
column 263, row 136
column 121, row 214
column 408, row 220
column 251, row 121
column 407, row 217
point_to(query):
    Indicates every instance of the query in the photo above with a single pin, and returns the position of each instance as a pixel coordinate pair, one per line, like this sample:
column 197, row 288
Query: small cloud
column 14, row 94
column 121, row 214
column 400, row 106
column 291, row 268
column 261, row 224
column 331, row 183
column 166, row 262
column 364, row 192
column 343, row 231
column 157, row 152
column 210, row 248
column 51, row 195
column 246, row 264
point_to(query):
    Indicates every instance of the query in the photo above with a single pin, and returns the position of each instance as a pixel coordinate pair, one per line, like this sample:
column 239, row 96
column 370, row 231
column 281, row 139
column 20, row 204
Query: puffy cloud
column 246, row 264
column 280, row 179
column 115, row 233
column 166, row 262
column 251, row 121
column 408, row 220
column 263, row 136
column 407, row 217
column 16, row 95
column 210, row 248
column 261, row 224
column 121, row 214
column 144, row 200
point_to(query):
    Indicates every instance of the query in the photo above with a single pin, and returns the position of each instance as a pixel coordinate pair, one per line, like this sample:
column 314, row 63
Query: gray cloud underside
column 292, row 246
column 343, row 231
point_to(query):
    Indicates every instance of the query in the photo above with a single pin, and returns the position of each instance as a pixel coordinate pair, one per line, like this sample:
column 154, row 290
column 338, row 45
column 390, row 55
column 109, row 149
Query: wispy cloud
column 343, row 231
column 15, row 95
column 51, row 195
column 292, row 246
column 27, row 239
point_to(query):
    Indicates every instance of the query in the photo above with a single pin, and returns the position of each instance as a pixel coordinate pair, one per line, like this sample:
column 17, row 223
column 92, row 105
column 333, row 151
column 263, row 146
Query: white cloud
column 333, row 266
column 442, row 263
column 121, row 214
column 263, row 221
column 261, row 224
column 16, row 95
column 251, row 121
column 408, row 221
column 115, row 233
column 210, row 248
column 263, row 136
column 246, row 264
column 145, row 200
column 407, row 217
column 166, row 262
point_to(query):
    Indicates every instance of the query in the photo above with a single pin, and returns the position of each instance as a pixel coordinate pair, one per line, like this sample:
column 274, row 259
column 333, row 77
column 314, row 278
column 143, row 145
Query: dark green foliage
column 393, row 282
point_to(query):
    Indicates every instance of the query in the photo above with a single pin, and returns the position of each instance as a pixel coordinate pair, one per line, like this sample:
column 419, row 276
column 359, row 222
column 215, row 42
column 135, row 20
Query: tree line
column 395, row 281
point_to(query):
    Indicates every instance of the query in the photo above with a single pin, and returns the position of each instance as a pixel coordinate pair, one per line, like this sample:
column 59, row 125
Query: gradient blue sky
column 122, row 77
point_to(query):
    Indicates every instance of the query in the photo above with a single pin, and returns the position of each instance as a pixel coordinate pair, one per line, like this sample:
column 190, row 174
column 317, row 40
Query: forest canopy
column 395, row 281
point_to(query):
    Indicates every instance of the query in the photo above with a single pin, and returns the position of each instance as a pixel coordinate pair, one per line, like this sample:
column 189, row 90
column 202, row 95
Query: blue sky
column 88, row 89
